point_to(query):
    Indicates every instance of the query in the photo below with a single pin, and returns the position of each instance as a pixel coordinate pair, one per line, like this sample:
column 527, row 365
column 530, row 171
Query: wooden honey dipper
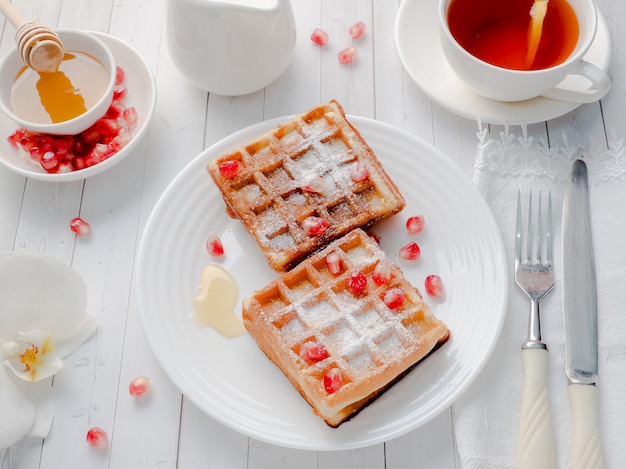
column 39, row 46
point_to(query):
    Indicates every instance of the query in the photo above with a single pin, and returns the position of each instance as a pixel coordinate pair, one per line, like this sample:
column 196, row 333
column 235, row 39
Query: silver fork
column 535, row 277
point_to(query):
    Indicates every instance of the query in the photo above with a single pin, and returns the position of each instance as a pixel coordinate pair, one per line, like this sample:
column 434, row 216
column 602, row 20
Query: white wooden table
column 167, row 431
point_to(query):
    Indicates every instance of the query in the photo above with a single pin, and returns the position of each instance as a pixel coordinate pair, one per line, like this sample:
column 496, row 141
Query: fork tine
column 539, row 233
column 549, row 230
column 518, row 229
column 529, row 234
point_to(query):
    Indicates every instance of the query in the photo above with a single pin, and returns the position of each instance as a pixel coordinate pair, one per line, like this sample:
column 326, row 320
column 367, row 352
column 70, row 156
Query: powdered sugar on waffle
column 315, row 165
column 369, row 343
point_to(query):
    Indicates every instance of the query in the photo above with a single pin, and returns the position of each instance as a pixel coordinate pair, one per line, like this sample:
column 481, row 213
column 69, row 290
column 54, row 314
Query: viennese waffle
column 314, row 170
column 339, row 349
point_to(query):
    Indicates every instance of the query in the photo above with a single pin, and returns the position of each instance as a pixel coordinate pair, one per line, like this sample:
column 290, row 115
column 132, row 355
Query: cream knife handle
column 586, row 452
column 535, row 445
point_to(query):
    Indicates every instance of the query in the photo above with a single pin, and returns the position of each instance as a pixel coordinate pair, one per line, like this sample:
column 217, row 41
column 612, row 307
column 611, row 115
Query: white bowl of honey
column 65, row 102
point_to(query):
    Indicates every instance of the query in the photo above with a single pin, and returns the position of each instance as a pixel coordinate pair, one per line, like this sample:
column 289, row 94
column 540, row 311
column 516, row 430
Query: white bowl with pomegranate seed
column 119, row 128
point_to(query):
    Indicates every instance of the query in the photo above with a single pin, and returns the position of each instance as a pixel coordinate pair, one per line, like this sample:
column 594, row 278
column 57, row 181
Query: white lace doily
column 523, row 155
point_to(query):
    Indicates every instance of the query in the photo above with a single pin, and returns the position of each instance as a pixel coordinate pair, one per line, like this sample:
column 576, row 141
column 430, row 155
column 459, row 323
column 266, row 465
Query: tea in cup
column 513, row 50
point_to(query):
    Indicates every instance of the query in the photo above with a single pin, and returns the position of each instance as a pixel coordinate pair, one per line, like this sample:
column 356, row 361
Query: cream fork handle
column 586, row 452
column 535, row 445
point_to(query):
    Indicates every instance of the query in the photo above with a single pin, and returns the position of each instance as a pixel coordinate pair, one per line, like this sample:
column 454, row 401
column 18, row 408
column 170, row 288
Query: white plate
column 141, row 94
column 417, row 41
column 232, row 381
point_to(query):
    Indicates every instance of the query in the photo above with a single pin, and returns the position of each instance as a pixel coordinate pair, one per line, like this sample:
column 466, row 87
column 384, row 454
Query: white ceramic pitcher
column 230, row 47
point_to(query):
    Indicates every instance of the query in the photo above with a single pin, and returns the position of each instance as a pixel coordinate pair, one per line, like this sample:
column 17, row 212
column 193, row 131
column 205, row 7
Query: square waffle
column 314, row 169
column 339, row 349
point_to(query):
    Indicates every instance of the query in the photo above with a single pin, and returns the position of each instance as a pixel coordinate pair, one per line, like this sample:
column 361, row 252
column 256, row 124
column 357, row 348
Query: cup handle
column 600, row 85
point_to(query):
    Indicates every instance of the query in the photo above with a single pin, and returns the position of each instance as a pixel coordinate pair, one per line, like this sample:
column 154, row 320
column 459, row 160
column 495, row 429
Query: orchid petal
column 17, row 413
column 80, row 334
column 40, row 292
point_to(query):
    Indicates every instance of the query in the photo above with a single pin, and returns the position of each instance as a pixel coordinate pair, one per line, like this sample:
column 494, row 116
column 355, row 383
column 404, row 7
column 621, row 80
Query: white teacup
column 505, row 84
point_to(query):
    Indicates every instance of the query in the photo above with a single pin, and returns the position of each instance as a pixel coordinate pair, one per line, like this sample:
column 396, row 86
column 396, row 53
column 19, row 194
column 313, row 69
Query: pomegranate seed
column 49, row 161
column 357, row 282
column 316, row 185
column 315, row 225
column 97, row 438
column 333, row 260
column 119, row 92
column 91, row 135
column 359, row 173
column 45, row 143
column 27, row 142
column 357, row 30
column 119, row 75
column 382, row 273
column 319, row 37
column 415, row 224
column 394, row 298
column 61, row 147
column 80, row 226
column 122, row 139
column 313, row 352
column 115, row 110
column 78, row 163
column 410, row 252
column 130, row 116
column 106, row 127
column 332, row 380
column 434, row 286
column 139, row 386
column 230, row 169
column 214, row 246
column 347, row 55
column 15, row 137
column 64, row 166
column 36, row 153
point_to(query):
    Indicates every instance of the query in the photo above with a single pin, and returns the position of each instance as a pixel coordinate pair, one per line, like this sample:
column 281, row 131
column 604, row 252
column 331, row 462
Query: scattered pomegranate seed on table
column 357, row 282
column 394, row 298
column 214, row 246
column 332, row 380
column 434, row 286
column 97, row 438
column 230, row 169
column 319, row 37
column 409, row 252
column 357, row 30
column 347, row 55
column 315, row 225
column 139, row 386
column 66, row 153
column 415, row 224
column 80, row 227
column 313, row 352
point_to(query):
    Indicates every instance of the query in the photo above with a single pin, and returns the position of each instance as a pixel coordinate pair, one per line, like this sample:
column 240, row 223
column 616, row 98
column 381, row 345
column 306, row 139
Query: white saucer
column 417, row 41
column 141, row 95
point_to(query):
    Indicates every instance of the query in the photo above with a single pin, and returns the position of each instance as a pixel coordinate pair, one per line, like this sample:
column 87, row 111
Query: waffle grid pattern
column 269, row 195
column 366, row 340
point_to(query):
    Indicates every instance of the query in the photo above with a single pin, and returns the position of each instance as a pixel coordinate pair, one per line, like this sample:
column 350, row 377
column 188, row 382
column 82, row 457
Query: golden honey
column 51, row 97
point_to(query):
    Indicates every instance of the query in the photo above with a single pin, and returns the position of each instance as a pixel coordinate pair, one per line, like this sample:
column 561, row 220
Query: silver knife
column 581, row 323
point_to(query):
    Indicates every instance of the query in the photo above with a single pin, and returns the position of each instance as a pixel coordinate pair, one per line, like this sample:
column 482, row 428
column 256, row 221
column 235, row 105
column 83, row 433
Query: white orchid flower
column 42, row 320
